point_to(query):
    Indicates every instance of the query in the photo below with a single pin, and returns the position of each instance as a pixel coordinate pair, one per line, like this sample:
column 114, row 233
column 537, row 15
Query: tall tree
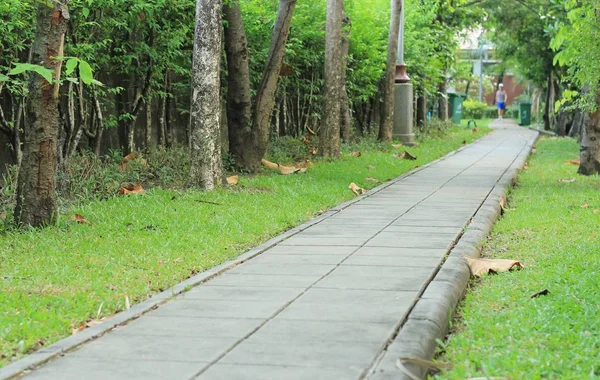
column 205, row 110
column 249, row 122
column 387, row 108
column 345, row 103
column 329, row 136
column 36, row 186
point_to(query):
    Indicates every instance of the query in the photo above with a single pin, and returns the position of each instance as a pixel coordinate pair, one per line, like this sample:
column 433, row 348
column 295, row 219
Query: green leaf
column 4, row 78
column 71, row 65
column 44, row 72
column 85, row 12
column 85, row 72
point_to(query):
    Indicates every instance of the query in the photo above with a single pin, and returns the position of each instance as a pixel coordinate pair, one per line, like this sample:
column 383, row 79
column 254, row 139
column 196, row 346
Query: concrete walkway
column 325, row 303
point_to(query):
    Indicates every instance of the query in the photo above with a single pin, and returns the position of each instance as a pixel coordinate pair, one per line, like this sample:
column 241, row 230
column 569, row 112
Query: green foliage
column 474, row 109
column 549, row 226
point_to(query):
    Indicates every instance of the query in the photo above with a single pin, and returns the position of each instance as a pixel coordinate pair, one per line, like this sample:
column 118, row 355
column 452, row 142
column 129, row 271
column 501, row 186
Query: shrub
column 474, row 109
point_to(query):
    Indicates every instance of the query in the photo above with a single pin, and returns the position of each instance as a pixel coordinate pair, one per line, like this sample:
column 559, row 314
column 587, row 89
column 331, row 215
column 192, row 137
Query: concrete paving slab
column 281, row 281
column 310, row 250
column 277, row 372
column 218, row 308
column 325, row 240
column 248, row 293
column 401, row 251
column 292, row 259
column 392, row 261
column 192, row 326
column 283, row 269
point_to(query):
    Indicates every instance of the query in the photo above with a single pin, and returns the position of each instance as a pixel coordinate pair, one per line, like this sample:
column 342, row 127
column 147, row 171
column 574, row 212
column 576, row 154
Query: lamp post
column 403, row 93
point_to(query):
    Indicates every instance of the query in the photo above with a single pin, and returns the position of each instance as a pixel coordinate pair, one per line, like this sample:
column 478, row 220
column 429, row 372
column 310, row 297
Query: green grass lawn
column 59, row 277
column 552, row 227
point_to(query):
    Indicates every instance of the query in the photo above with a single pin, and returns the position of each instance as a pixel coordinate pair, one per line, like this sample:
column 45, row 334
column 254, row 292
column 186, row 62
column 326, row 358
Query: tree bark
column 205, row 107
column 387, row 108
column 345, row 104
column 249, row 127
column 422, row 110
column 329, row 136
column 590, row 143
column 443, row 101
column 36, row 185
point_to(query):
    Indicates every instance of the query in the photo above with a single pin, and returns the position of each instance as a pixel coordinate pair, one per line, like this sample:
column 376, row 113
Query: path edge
column 44, row 355
column 409, row 354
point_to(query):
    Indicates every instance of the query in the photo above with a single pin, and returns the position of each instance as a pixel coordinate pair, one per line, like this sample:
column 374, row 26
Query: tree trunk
column 422, row 110
column 387, row 108
column 249, row 127
column 205, row 107
column 36, row 185
column 329, row 136
column 345, row 104
column 590, row 143
column 148, row 123
column 443, row 101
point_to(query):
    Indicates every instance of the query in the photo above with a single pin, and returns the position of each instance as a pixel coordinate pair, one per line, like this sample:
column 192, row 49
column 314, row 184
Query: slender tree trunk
column 422, row 110
column 387, row 108
column 99, row 125
column 249, row 127
column 443, row 101
column 345, row 104
column 36, row 186
column 205, row 112
column 329, row 139
column 148, row 123
column 590, row 143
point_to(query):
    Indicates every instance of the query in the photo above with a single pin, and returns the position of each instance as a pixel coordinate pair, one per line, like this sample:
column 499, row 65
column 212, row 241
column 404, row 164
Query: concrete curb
column 429, row 319
column 46, row 354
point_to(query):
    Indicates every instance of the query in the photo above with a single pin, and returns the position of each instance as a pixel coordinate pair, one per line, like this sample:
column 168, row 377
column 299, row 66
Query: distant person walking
column 501, row 101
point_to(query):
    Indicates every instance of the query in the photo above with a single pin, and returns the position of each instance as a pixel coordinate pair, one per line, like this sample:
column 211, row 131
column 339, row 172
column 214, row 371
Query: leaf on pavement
column 356, row 189
column 480, row 267
column 269, row 164
column 233, row 180
column 574, row 162
column 544, row 292
column 356, row 154
column 132, row 190
column 371, row 179
column 79, row 219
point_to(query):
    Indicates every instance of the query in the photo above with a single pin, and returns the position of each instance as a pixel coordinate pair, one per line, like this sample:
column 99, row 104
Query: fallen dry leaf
column 474, row 130
column 406, row 156
column 567, row 180
column 371, row 167
column 285, row 170
column 486, row 266
column 178, row 260
column 304, row 165
column 132, row 190
column 502, row 203
column 356, row 189
column 122, row 166
column 233, row 180
column 397, row 146
column 127, row 304
column 79, row 219
column 356, row 154
column 544, row 292
column 585, row 205
column 129, row 157
column 80, row 328
column 269, row 164
column 574, row 162
column 596, row 211
column 371, row 179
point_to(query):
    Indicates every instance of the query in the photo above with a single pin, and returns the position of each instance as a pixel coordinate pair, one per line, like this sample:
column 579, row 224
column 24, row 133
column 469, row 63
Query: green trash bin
column 525, row 114
column 455, row 101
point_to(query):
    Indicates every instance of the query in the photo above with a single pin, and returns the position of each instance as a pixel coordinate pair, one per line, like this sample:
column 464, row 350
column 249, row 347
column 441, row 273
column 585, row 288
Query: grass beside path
column 55, row 279
column 551, row 226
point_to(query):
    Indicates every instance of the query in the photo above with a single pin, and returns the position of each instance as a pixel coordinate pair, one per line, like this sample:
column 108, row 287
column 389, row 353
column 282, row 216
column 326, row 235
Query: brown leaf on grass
column 127, row 304
column 573, row 162
column 79, row 219
column 585, row 205
column 564, row 180
column 178, row 260
column 356, row 189
column 306, row 164
column 406, row 155
column 285, row 170
column 132, row 190
column 464, row 142
column 474, row 130
column 313, row 150
column 122, row 166
column 269, row 164
column 78, row 329
column 371, row 167
column 129, row 157
column 397, row 146
column 502, row 203
column 480, row 267
column 233, row 180
column 596, row 211
column 544, row 292
column 371, row 179
column 356, row 154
